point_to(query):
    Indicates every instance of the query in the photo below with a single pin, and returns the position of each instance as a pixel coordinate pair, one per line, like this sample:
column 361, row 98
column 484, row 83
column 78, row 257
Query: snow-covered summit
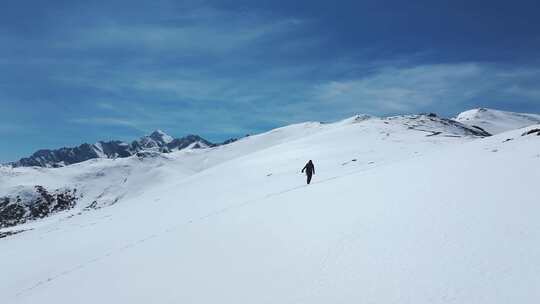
column 496, row 121
column 161, row 136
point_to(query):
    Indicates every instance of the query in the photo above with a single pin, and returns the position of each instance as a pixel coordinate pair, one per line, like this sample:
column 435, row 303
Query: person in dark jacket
column 310, row 170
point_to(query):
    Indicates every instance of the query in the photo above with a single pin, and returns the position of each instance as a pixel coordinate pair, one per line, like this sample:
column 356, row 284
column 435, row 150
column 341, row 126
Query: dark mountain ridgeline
column 157, row 141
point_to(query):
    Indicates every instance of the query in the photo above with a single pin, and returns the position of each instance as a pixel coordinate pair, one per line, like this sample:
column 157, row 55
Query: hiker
column 310, row 170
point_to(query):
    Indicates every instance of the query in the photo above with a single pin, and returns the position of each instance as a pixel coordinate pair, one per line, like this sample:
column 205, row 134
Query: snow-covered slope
column 408, row 209
column 496, row 121
column 102, row 182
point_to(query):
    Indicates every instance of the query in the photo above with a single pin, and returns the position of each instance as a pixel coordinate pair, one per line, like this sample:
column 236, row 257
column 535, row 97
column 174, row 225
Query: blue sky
column 75, row 71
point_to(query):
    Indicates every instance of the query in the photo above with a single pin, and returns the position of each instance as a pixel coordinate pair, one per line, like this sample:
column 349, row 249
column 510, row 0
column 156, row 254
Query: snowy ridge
column 496, row 121
column 407, row 209
column 157, row 141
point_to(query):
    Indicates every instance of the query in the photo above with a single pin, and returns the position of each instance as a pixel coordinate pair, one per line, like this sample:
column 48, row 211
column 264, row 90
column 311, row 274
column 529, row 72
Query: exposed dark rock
column 14, row 211
column 481, row 129
column 533, row 131
column 12, row 214
column 4, row 202
column 8, row 233
column 184, row 142
column 347, row 162
column 147, row 154
column 434, row 133
column 419, row 123
column 228, row 141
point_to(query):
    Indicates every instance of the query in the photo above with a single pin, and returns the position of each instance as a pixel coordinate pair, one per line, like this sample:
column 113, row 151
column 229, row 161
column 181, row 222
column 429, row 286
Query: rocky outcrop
column 41, row 203
column 435, row 125
column 533, row 131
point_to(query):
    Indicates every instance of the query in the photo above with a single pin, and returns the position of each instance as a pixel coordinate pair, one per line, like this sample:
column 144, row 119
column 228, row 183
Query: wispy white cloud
column 224, row 75
column 392, row 89
column 527, row 92
column 107, row 121
column 235, row 107
column 200, row 31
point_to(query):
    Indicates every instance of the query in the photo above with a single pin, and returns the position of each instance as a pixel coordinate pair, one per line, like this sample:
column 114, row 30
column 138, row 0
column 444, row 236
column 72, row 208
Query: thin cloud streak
column 231, row 107
column 202, row 31
column 107, row 121
column 394, row 90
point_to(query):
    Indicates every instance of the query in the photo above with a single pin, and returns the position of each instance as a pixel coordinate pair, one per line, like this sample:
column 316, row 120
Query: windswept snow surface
column 392, row 216
column 496, row 121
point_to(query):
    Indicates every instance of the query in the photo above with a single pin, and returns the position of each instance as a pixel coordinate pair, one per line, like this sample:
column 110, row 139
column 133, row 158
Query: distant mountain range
column 157, row 141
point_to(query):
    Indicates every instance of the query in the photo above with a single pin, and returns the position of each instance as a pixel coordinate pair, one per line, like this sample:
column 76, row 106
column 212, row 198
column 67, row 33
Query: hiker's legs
column 309, row 178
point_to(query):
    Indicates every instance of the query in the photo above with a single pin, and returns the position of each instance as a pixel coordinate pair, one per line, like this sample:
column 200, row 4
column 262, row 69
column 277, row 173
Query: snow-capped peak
column 161, row 136
column 496, row 121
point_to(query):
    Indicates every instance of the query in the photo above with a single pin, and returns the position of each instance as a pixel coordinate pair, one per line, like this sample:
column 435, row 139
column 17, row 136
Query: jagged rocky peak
column 161, row 141
column 189, row 141
column 157, row 141
column 160, row 136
